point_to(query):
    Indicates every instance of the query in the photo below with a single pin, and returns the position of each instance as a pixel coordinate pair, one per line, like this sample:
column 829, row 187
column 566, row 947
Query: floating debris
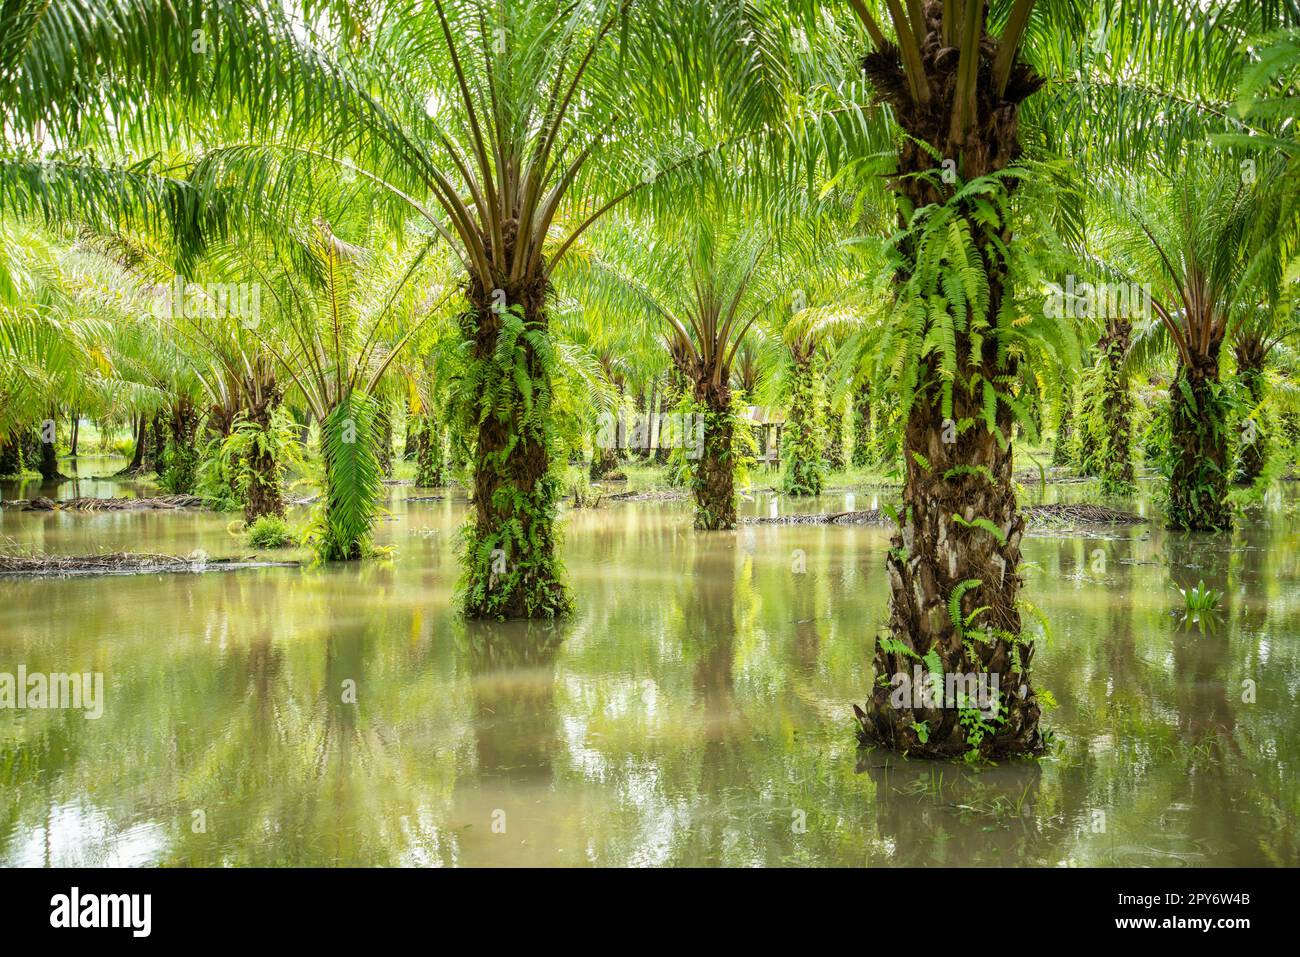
column 658, row 495
column 865, row 517
column 1080, row 514
column 43, row 504
column 123, row 563
column 1051, row 516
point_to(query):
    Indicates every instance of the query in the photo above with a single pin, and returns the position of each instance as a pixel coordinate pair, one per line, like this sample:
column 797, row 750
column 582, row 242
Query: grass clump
column 270, row 531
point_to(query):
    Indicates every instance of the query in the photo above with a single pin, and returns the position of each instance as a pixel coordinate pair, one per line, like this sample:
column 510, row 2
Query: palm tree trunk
column 182, row 458
column 410, row 438
column 1197, row 459
column 429, row 461
column 141, row 430
column 49, row 462
column 958, row 547
column 511, row 569
column 1064, row 441
column 1115, row 452
column 604, row 461
column 713, row 481
column 1252, row 452
column 835, row 438
column 804, row 465
column 265, row 495
column 954, row 585
column 384, row 439
column 862, row 451
column 156, row 448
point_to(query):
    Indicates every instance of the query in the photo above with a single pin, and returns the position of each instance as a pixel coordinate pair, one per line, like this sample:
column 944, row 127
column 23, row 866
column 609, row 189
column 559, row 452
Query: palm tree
column 1212, row 240
column 957, row 77
column 340, row 315
column 955, row 89
column 427, row 401
column 1267, row 94
column 209, row 333
column 637, row 272
column 804, row 458
column 1261, row 331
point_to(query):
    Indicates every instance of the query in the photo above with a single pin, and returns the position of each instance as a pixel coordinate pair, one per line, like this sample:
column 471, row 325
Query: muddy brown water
column 695, row 711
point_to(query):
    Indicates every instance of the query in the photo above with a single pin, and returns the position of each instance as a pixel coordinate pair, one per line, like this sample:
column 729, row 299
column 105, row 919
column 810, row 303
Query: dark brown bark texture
column 992, row 143
column 934, row 553
column 604, row 461
column 184, row 423
column 49, row 463
column 141, row 430
column 157, row 444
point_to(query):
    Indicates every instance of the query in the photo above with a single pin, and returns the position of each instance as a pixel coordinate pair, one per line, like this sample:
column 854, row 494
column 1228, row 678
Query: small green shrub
column 1201, row 606
column 1200, row 598
column 270, row 531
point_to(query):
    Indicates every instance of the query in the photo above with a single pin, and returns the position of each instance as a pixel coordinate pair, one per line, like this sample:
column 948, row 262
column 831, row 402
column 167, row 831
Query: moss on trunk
column 1253, row 445
column 713, row 478
column 430, row 461
column 802, row 454
column 1115, row 411
column 863, row 451
column 180, row 458
column 954, row 585
column 1063, row 443
column 509, row 559
column 1196, row 461
column 265, row 495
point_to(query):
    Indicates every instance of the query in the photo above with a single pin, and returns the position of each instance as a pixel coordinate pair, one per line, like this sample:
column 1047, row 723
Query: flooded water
column 695, row 711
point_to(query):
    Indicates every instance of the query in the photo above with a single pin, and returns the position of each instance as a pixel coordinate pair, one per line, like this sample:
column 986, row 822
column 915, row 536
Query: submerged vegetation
column 251, row 245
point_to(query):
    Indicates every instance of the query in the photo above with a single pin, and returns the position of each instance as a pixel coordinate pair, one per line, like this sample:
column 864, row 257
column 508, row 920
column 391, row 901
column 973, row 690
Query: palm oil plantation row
column 258, row 245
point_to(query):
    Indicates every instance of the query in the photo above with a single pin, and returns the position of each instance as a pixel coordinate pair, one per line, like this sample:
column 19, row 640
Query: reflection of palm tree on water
column 512, row 679
column 512, row 670
column 1206, row 718
column 706, row 634
column 944, row 813
column 1207, row 721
